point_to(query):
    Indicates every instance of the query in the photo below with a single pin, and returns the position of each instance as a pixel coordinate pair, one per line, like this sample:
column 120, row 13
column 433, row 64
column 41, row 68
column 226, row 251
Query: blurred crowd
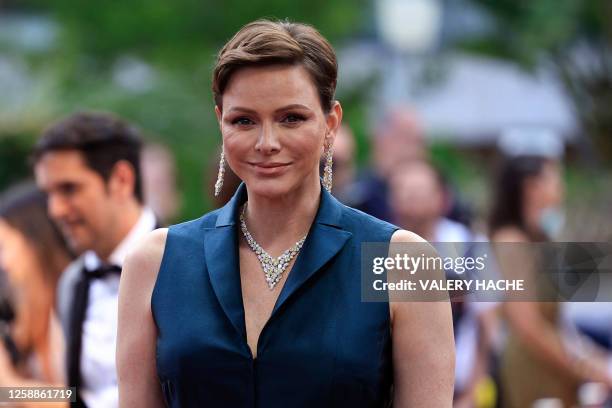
column 98, row 188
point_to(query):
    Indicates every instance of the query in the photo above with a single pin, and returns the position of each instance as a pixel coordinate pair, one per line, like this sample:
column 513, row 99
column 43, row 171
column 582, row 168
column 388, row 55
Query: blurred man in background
column 419, row 202
column 89, row 166
column 159, row 181
column 398, row 138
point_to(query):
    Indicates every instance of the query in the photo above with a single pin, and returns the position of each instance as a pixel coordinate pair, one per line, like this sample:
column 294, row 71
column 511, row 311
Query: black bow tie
column 103, row 271
column 77, row 316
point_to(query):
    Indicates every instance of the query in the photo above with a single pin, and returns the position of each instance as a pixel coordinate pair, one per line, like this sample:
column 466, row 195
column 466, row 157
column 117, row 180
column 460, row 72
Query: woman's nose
column 267, row 142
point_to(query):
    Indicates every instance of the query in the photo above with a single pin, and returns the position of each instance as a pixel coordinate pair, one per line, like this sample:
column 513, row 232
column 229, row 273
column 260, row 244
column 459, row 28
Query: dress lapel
column 325, row 239
column 221, row 249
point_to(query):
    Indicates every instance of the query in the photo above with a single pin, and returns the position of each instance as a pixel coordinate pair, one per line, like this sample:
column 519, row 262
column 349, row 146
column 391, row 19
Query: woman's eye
column 242, row 121
column 293, row 118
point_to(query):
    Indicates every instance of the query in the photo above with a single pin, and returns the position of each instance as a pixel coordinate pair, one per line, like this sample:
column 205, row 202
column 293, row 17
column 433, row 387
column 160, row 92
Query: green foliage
column 14, row 151
column 178, row 40
column 184, row 29
column 575, row 36
column 525, row 28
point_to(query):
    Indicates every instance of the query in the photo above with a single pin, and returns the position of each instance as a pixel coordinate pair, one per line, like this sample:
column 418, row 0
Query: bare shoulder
column 145, row 258
column 138, row 277
column 136, row 330
column 403, row 236
column 422, row 337
column 509, row 234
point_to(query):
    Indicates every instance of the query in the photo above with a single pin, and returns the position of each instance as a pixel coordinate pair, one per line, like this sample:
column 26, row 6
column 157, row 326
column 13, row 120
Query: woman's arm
column 545, row 342
column 423, row 349
column 136, row 334
column 539, row 335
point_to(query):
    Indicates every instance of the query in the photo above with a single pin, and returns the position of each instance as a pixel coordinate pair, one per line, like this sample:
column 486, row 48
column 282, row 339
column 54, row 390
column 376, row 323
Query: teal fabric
column 322, row 346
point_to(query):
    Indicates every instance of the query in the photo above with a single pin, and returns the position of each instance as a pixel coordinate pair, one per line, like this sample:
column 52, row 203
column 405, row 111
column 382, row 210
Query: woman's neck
column 277, row 223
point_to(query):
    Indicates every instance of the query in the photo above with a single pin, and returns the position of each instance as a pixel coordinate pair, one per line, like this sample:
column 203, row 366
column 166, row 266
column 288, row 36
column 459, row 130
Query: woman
column 535, row 362
column 33, row 255
column 205, row 312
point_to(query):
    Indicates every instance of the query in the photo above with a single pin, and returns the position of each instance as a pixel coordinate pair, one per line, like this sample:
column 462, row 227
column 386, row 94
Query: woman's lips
column 270, row 169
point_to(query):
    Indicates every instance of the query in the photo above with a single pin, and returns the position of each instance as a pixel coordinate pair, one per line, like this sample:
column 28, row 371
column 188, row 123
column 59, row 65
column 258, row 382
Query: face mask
column 551, row 221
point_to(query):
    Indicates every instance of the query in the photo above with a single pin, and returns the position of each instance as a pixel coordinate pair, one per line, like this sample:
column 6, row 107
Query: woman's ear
column 333, row 119
column 219, row 114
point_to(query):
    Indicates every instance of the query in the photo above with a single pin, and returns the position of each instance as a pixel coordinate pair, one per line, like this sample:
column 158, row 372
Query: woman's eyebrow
column 283, row 109
column 292, row 106
column 241, row 109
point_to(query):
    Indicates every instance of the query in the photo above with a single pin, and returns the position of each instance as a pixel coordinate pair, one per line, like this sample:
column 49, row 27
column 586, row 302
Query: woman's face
column 274, row 129
column 17, row 257
column 546, row 189
column 19, row 260
column 543, row 196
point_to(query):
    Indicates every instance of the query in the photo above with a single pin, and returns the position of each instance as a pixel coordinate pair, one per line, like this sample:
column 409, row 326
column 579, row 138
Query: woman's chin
column 273, row 186
column 268, row 188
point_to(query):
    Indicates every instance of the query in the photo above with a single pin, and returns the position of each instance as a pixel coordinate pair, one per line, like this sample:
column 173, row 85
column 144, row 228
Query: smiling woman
column 259, row 303
column 274, row 141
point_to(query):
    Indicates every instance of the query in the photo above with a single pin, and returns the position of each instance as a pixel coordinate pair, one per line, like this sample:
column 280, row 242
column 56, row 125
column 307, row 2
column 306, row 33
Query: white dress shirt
column 98, row 371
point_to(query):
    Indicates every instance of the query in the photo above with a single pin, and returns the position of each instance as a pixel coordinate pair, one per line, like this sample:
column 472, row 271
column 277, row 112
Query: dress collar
column 329, row 212
column 325, row 239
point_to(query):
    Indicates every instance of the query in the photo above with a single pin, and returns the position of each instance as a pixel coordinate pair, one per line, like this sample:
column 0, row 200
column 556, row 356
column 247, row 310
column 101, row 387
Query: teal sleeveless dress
column 322, row 346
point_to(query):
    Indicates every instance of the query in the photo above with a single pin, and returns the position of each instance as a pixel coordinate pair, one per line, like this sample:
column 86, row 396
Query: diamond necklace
column 273, row 267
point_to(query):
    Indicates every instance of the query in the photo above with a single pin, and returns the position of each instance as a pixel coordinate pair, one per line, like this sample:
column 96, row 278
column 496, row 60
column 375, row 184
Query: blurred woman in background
column 535, row 362
column 33, row 255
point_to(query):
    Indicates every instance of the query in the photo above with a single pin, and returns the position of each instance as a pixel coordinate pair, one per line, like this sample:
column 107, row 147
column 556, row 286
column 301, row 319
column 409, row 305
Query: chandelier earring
column 327, row 169
column 219, row 182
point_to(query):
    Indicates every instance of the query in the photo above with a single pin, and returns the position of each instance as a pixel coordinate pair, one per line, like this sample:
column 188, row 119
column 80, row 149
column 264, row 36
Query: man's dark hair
column 102, row 138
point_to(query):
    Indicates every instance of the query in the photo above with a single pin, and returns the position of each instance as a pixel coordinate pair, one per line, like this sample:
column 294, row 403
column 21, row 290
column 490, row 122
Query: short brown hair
column 265, row 42
column 102, row 138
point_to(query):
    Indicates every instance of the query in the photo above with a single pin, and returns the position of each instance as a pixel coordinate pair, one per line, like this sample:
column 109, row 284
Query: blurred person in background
column 159, row 181
column 419, row 198
column 88, row 164
column 33, row 254
column 398, row 138
column 535, row 362
column 418, row 201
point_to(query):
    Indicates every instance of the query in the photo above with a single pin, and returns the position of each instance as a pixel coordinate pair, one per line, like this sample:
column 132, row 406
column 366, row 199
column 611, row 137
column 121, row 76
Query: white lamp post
column 409, row 28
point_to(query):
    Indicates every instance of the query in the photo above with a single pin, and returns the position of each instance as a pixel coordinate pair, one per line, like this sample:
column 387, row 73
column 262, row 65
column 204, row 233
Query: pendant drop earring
column 219, row 182
column 327, row 169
